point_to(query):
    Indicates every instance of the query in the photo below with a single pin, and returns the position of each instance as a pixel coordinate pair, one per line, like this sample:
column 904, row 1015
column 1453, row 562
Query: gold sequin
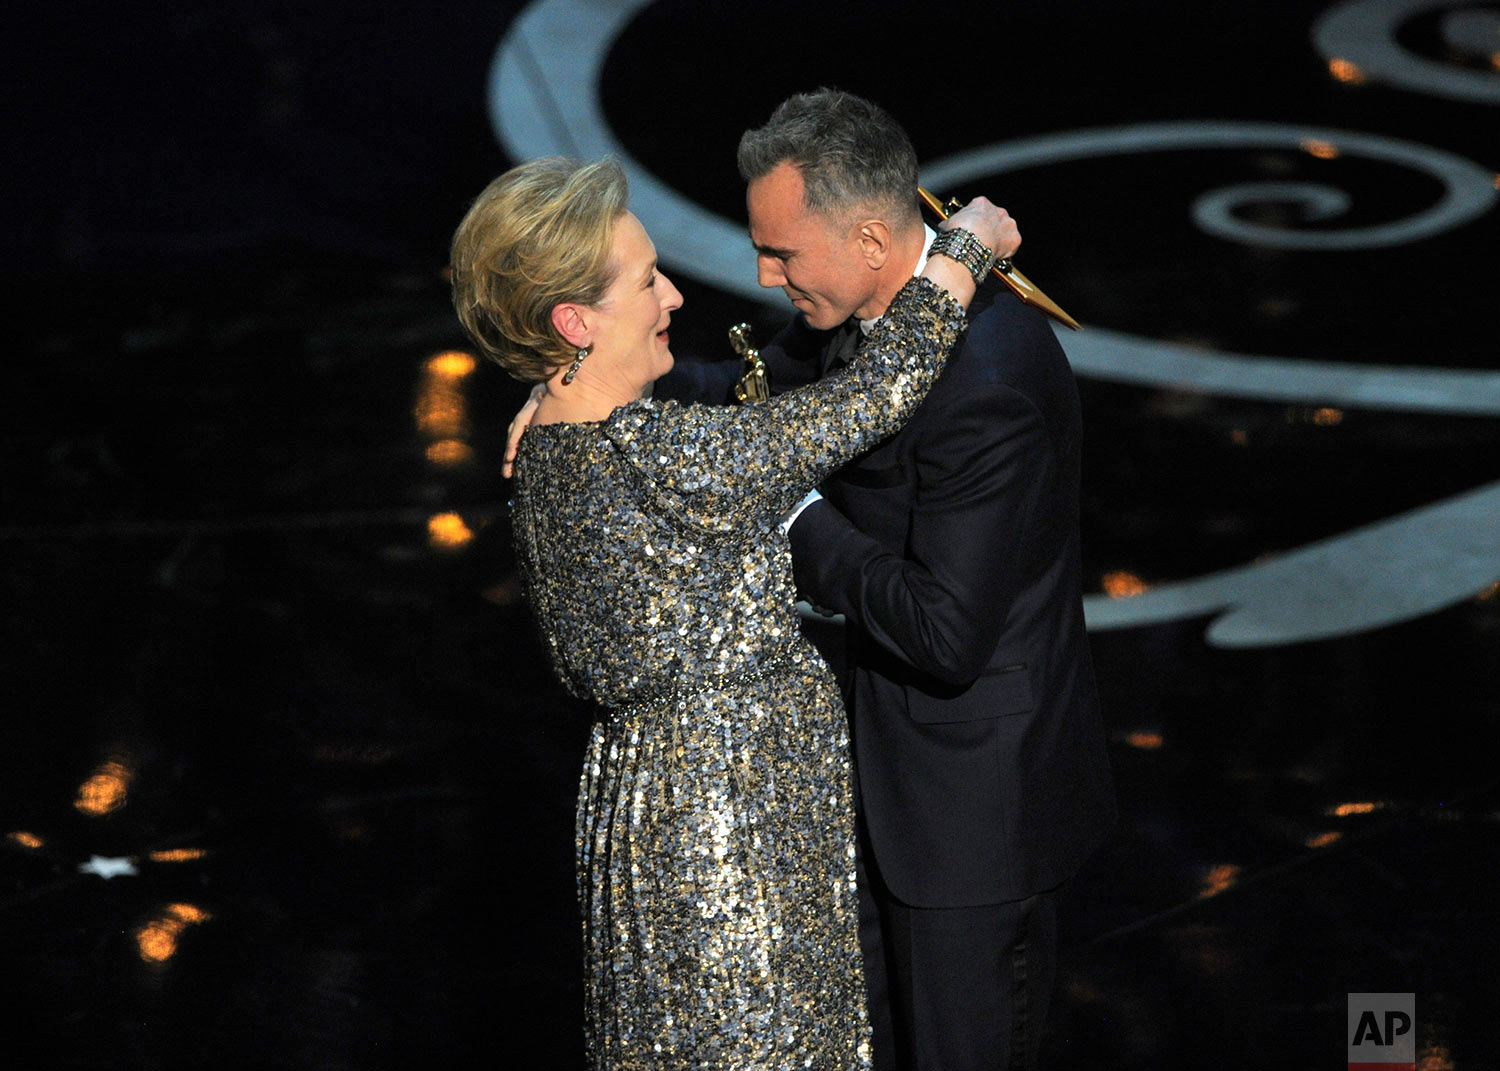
column 715, row 832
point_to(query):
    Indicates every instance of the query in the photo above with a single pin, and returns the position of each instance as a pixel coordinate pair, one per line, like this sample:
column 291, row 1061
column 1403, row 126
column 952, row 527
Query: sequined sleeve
column 721, row 466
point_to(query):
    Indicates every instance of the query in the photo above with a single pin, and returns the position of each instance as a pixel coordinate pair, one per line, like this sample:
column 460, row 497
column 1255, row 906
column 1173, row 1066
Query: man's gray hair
column 850, row 152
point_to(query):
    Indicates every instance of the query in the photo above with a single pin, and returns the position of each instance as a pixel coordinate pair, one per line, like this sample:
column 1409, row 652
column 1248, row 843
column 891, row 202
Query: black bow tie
column 843, row 344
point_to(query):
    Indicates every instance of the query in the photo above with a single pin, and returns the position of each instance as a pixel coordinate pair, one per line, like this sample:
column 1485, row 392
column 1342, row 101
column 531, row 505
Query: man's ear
column 874, row 238
column 569, row 320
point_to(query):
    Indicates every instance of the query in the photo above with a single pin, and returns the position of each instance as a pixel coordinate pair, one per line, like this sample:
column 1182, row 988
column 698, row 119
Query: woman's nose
column 672, row 299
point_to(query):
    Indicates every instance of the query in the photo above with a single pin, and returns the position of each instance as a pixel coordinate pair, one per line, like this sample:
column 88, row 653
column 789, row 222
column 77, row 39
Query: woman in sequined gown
column 715, row 825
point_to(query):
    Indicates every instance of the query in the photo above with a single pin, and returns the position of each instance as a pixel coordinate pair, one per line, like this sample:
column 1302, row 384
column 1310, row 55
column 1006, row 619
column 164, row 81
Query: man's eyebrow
column 771, row 251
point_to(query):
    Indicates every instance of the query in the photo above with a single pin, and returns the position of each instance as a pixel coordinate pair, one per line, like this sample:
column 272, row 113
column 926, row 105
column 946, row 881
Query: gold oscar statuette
column 1007, row 272
column 753, row 385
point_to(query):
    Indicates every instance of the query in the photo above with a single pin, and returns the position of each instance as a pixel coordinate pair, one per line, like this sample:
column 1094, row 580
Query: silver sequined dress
column 715, row 825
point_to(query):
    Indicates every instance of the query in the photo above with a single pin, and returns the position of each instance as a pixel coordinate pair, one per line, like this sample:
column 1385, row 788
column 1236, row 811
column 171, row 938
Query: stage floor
column 284, row 779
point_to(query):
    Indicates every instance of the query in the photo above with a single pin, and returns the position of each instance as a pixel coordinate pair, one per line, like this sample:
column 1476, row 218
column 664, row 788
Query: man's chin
column 820, row 319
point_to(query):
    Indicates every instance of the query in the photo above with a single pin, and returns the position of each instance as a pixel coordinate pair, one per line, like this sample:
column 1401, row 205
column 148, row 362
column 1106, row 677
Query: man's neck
column 908, row 251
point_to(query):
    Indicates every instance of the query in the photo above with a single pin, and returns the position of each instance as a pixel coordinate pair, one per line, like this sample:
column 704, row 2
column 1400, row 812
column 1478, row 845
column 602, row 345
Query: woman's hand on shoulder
column 990, row 223
column 517, row 427
column 956, row 263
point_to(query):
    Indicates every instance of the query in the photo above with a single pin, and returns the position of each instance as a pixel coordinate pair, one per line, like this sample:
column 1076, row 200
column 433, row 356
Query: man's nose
column 768, row 272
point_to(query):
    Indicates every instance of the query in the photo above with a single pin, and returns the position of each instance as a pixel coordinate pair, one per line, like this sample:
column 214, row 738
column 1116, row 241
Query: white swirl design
column 1363, row 33
column 1473, row 32
column 1468, row 189
column 543, row 100
column 1214, row 212
column 1384, row 573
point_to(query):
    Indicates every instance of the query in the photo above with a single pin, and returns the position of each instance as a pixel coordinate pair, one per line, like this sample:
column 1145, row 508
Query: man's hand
column 519, row 425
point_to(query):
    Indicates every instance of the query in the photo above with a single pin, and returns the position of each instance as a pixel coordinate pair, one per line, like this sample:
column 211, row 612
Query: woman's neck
column 587, row 399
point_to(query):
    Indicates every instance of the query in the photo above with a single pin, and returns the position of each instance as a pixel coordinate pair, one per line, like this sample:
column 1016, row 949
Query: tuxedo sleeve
column 941, row 605
column 691, row 379
column 792, row 356
column 791, row 360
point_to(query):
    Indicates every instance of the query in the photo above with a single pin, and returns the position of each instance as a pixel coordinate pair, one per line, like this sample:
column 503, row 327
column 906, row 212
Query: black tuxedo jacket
column 952, row 549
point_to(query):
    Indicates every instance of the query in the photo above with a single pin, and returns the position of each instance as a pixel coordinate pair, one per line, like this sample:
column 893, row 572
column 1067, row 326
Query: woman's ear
column 568, row 319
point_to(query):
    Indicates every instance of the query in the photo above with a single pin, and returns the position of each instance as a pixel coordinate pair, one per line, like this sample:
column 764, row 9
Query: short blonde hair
column 538, row 236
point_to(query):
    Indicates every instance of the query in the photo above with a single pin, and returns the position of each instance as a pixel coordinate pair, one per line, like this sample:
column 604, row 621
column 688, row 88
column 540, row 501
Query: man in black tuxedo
column 952, row 551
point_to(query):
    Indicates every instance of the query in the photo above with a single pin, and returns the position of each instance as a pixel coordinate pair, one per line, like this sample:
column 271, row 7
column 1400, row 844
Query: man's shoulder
column 1008, row 344
column 1000, row 320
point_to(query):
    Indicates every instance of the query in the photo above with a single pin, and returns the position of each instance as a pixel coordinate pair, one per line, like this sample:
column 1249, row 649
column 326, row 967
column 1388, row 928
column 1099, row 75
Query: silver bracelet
column 961, row 245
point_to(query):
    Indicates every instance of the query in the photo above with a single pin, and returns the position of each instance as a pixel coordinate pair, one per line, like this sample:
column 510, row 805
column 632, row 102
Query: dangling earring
column 577, row 363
